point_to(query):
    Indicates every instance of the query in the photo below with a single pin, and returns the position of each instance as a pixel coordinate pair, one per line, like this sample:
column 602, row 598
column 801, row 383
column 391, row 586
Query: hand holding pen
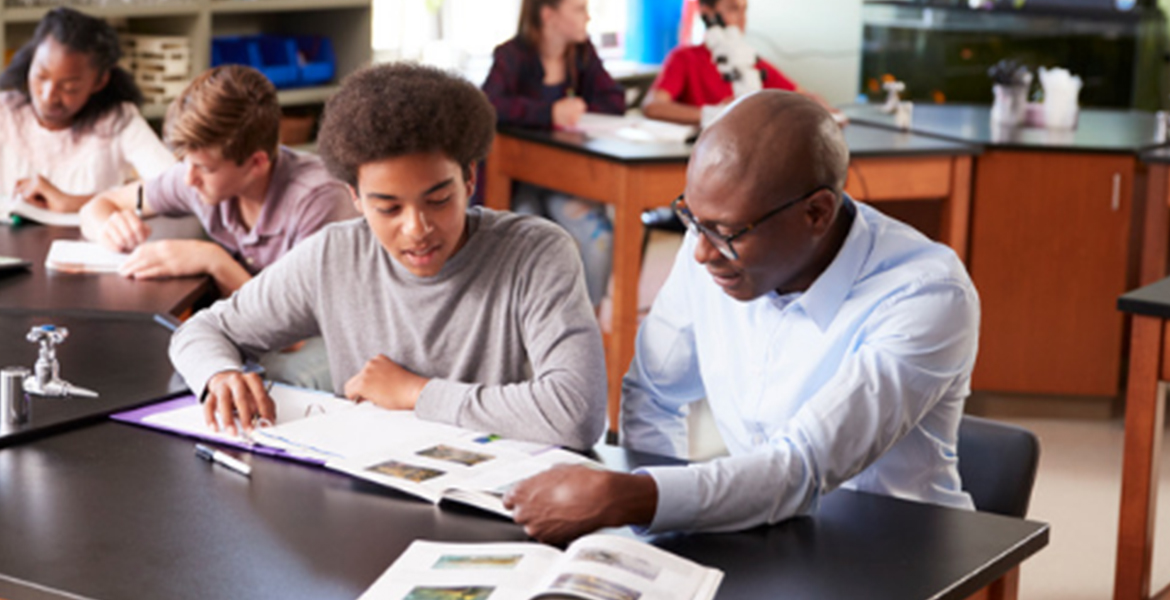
column 234, row 395
column 124, row 229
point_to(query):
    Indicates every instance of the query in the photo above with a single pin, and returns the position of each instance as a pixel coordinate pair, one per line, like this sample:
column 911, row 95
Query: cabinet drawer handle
column 1116, row 192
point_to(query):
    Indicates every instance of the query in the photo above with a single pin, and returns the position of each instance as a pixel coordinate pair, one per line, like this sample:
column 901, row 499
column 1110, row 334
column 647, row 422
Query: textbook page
column 501, row 571
column 595, row 567
column 366, row 429
column 476, row 470
column 633, row 129
column 32, row 212
column 75, row 256
column 610, row 567
column 292, row 404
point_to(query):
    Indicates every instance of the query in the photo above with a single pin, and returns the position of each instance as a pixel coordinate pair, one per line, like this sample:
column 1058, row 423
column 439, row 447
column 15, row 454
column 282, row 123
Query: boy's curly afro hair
column 398, row 109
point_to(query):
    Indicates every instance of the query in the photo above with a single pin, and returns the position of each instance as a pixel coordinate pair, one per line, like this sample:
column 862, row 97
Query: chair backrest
column 997, row 462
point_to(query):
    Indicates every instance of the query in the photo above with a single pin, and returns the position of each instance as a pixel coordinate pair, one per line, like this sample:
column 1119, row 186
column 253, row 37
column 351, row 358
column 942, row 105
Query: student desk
column 44, row 289
column 112, row 511
column 121, row 356
column 1149, row 364
column 1053, row 242
column 635, row 176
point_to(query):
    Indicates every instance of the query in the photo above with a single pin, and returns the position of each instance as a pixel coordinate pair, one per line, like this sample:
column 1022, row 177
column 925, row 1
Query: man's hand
column 123, row 231
column 564, row 503
column 40, row 191
column 231, row 394
column 567, row 111
column 385, row 383
column 173, row 258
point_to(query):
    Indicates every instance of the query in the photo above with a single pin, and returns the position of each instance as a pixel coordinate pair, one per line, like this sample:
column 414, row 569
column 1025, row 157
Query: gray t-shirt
column 302, row 197
column 505, row 330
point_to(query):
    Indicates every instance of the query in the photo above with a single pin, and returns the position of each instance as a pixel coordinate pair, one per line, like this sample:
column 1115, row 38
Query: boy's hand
column 231, row 394
column 172, row 258
column 123, row 231
column 385, row 383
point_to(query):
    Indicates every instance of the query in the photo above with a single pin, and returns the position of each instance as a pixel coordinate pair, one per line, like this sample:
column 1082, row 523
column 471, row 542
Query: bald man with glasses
column 834, row 345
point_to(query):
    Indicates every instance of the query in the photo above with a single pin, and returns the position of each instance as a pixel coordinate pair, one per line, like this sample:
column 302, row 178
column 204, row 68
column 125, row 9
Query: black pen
column 224, row 459
column 138, row 207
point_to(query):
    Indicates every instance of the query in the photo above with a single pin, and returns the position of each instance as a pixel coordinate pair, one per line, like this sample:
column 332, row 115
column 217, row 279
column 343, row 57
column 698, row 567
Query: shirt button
column 251, row 261
column 758, row 439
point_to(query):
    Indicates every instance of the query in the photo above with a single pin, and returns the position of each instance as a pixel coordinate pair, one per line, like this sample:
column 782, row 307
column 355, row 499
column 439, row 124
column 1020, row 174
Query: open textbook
column 393, row 448
column 76, row 256
column 633, row 128
column 595, row 567
column 18, row 206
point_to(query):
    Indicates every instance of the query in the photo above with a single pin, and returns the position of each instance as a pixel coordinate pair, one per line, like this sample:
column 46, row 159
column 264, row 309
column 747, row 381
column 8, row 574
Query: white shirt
column 105, row 157
column 858, row 382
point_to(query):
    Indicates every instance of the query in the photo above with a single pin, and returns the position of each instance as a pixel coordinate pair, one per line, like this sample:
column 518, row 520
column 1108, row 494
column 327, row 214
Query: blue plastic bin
column 316, row 59
column 288, row 61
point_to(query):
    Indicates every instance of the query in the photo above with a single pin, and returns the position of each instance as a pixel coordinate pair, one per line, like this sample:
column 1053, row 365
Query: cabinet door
column 1049, row 245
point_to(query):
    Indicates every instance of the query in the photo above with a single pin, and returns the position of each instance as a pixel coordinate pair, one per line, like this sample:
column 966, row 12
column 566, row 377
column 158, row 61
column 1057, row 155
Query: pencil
column 138, row 206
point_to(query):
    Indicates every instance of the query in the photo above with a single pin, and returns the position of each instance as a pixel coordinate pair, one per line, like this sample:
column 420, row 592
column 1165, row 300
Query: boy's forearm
column 228, row 274
column 94, row 215
column 669, row 110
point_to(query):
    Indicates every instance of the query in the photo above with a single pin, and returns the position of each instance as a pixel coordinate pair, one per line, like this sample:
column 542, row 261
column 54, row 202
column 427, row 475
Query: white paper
column 633, row 129
column 596, row 567
column 292, row 404
column 74, row 256
column 17, row 206
column 499, row 571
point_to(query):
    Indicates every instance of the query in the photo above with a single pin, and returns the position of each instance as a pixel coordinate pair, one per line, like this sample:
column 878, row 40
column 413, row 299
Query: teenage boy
column 468, row 316
column 255, row 198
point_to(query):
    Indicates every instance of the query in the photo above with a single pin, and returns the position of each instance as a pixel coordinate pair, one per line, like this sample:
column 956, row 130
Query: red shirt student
column 690, row 79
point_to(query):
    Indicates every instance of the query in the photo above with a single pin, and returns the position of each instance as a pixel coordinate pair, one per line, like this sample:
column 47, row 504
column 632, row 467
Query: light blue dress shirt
column 857, row 382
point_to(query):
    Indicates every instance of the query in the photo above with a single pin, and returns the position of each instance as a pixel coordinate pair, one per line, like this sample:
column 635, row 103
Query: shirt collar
column 272, row 218
column 825, row 296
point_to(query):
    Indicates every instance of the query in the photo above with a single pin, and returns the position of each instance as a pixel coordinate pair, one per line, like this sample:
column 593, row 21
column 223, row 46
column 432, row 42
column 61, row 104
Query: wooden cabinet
column 1049, row 256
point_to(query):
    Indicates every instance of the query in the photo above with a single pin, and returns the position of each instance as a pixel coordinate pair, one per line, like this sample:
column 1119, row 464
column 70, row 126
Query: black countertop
column 121, row 356
column 864, row 142
column 1159, row 155
column 1099, row 130
column 113, row 511
column 43, row 288
column 1152, row 300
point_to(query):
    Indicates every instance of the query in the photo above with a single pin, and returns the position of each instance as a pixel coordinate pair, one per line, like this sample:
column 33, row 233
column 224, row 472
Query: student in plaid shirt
column 547, row 77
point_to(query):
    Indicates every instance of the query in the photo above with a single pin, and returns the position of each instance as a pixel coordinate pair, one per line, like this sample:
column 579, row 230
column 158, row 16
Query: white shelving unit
column 346, row 22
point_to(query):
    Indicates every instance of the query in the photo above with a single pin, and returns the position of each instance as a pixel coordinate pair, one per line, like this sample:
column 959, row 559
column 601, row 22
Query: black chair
column 660, row 219
column 997, row 462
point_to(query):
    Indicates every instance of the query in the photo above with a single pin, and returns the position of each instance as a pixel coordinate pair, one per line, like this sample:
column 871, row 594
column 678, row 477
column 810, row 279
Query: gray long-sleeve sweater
column 505, row 330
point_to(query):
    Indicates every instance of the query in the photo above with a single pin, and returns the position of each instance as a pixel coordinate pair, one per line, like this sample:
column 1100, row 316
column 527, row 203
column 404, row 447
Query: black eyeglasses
column 721, row 242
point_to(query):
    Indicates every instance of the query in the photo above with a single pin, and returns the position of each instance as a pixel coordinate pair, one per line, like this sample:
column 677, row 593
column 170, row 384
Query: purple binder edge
column 139, row 415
